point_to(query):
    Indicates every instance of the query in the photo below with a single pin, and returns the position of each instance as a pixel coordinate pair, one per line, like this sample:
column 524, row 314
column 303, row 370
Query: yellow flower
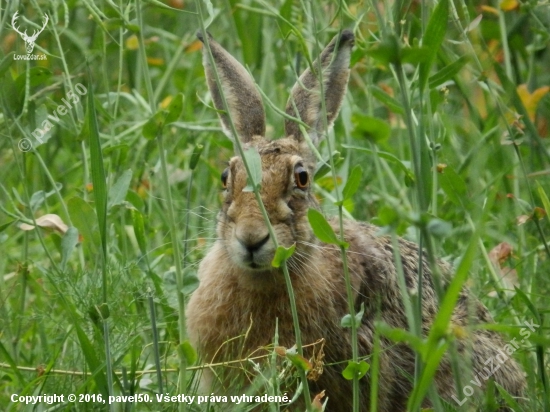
column 508, row 5
column 531, row 100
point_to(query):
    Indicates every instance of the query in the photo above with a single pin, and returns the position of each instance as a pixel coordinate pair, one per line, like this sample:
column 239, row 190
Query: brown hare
column 241, row 294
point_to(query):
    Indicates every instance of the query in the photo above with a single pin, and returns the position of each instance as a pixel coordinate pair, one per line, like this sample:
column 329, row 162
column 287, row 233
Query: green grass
column 442, row 113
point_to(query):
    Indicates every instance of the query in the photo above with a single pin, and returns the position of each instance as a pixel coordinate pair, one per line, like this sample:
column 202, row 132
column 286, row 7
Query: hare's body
column 241, row 295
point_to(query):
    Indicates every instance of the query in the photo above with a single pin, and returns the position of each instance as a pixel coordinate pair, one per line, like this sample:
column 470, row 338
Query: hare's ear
column 243, row 100
column 305, row 98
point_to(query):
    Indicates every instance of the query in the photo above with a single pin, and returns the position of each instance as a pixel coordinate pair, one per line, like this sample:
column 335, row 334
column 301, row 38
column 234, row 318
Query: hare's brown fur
column 241, row 293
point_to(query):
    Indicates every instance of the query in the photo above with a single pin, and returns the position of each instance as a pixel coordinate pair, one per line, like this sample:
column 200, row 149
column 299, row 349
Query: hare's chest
column 259, row 321
column 262, row 319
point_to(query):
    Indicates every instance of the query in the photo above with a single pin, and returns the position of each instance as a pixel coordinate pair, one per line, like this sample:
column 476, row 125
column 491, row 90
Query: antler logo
column 29, row 40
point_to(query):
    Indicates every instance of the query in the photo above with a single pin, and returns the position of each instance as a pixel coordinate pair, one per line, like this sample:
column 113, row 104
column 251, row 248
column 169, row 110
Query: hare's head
column 287, row 163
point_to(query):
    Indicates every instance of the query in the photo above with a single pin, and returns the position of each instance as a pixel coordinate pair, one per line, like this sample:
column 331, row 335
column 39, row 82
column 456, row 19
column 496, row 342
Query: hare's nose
column 253, row 242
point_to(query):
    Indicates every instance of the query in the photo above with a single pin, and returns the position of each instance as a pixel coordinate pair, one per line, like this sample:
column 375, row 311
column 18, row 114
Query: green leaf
column 347, row 319
column 298, row 360
column 98, row 171
column 68, row 243
column 190, row 281
column 254, row 162
column 38, row 76
column 187, row 352
column 359, row 315
column 453, row 185
column 6, row 63
column 173, row 111
column 286, row 10
column 399, row 335
column 384, row 155
column 135, row 200
column 282, row 254
column 12, row 98
column 84, row 219
column 439, row 228
column 508, row 398
column 430, row 368
column 103, row 311
column 210, row 10
column 195, row 156
column 370, row 128
column 393, row 104
column 416, row 55
column 447, row 306
column 510, row 90
column 117, row 148
column 139, row 230
column 387, row 216
column 5, row 226
column 246, row 23
column 388, row 51
column 6, row 355
column 153, row 126
column 355, row 370
column 38, row 198
column 544, row 198
column 89, row 352
column 352, row 185
column 433, row 38
column 323, row 166
column 117, row 192
column 522, row 296
column 447, row 73
column 162, row 117
column 348, row 204
column 45, row 125
column 322, row 229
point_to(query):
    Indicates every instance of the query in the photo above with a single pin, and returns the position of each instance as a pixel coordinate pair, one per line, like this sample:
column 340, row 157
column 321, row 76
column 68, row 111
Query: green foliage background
column 447, row 117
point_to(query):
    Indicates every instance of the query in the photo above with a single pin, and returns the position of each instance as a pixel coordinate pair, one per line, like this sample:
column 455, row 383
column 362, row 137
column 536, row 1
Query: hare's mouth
column 255, row 258
column 251, row 249
column 257, row 267
column 256, row 261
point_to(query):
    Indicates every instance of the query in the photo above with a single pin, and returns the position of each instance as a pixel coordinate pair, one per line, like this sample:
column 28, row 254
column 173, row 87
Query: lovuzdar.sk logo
column 29, row 40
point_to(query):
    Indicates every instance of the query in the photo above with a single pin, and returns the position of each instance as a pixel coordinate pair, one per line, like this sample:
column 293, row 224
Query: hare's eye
column 225, row 174
column 301, row 177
